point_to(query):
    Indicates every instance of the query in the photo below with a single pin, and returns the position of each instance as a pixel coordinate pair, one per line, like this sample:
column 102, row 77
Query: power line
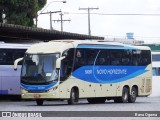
column 128, row 14
column 123, row 14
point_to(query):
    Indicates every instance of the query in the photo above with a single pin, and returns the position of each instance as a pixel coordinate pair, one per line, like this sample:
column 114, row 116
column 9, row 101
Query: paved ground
column 142, row 104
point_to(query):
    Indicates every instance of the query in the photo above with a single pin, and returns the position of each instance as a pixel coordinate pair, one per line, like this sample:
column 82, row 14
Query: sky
column 144, row 27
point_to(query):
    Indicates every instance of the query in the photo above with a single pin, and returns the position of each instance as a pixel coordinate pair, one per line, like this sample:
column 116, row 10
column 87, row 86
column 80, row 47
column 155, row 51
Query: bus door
column 65, row 73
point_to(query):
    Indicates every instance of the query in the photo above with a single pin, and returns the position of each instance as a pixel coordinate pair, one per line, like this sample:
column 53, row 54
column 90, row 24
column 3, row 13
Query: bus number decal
column 88, row 71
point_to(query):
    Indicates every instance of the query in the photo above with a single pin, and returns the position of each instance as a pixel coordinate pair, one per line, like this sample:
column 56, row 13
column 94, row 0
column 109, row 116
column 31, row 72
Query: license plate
column 37, row 95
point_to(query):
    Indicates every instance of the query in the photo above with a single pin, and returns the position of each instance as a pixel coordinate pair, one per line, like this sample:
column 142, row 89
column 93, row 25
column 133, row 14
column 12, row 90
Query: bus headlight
column 23, row 89
column 52, row 89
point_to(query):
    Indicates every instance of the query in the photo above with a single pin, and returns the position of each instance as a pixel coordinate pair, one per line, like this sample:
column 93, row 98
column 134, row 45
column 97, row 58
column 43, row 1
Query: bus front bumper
column 39, row 95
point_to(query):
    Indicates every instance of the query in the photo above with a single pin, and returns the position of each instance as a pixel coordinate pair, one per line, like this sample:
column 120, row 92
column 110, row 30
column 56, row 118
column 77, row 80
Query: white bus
column 10, row 79
column 95, row 70
column 156, row 73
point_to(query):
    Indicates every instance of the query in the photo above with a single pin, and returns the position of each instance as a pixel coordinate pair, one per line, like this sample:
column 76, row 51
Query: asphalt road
column 150, row 104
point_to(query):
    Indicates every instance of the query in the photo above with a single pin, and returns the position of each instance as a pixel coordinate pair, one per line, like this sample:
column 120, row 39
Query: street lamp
column 63, row 1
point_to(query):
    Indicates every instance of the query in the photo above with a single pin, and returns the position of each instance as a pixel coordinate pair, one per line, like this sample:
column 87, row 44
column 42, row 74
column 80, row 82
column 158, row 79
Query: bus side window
column 158, row 71
column 126, row 58
column 79, row 58
column 91, row 55
column 145, row 57
column 103, row 58
column 8, row 56
column 18, row 54
column 116, row 57
column 2, row 60
column 136, row 57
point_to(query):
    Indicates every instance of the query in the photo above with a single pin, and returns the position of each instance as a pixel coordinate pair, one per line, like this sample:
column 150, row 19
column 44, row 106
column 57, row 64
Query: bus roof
column 14, row 45
column 61, row 45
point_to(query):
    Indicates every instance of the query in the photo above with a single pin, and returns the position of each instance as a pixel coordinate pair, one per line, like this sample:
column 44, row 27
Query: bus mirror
column 65, row 53
column 16, row 62
column 58, row 62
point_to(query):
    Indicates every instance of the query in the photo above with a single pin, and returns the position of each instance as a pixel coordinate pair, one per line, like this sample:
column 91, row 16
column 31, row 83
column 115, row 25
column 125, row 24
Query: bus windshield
column 39, row 69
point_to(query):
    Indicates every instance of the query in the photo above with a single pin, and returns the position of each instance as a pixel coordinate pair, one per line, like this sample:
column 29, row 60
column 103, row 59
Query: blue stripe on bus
column 106, row 47
column 4, row 92
column 38, row 87
column 108, row 74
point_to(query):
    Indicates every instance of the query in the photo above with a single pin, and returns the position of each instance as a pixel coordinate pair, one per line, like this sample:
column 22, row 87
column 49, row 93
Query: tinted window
column 80, row 59
column 8, row 56
column 145, row 57
column 91, row 56
column 85, row 57
column 116, row 57
column 66, row 64
column 136, row 57
column 103, row 58
column 141, row 57
column 156, row 57
column 156, row 71
column 127, row 57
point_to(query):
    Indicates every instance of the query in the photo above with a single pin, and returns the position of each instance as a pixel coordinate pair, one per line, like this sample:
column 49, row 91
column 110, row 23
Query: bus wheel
column 39, row 102
column 124, row 97
column 133, row 95
column 73, row 97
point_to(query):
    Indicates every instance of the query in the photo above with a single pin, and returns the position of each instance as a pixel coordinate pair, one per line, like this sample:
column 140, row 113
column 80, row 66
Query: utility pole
column 61, row 20
column 88, row 9
column 50, row 13
column 63, row 1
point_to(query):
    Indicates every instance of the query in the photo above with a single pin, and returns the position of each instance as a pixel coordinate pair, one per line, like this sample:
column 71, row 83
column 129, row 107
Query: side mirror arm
column 16, row 63
column 58, row 62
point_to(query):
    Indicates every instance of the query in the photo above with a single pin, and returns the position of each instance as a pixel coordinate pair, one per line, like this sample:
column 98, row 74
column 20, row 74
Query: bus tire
column 73, row 97
column 39, row 102
column 124, row 97
column 133, row 95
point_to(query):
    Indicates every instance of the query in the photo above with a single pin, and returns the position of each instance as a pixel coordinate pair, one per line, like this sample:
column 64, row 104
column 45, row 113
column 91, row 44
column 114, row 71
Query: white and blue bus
column 10, row 79
column 90, row 69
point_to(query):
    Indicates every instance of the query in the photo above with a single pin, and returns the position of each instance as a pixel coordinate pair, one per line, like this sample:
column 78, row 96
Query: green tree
column 20, row 12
